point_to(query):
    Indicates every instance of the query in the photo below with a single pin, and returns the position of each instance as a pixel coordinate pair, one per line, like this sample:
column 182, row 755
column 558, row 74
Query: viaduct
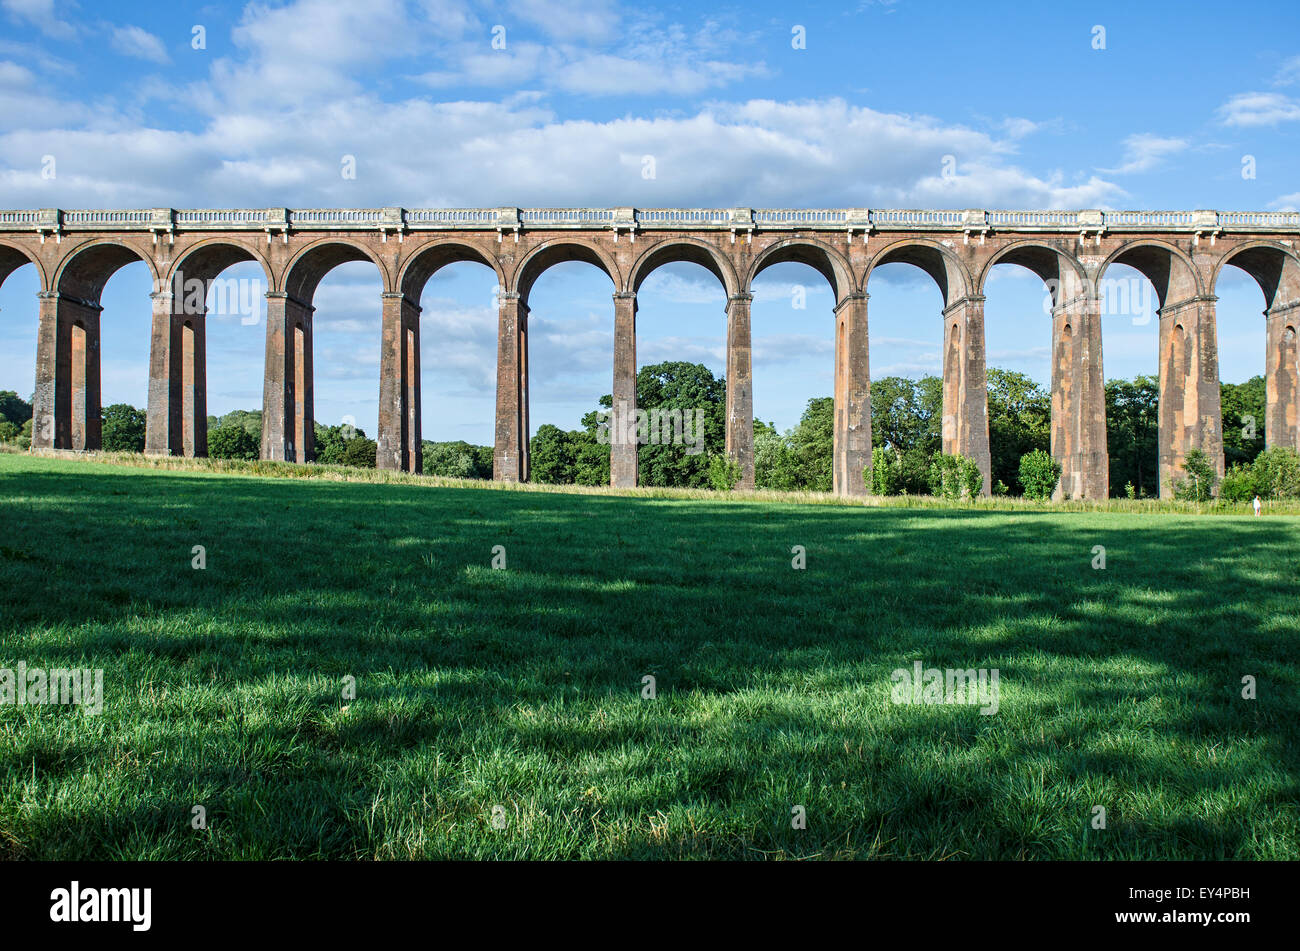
column 1180, row 252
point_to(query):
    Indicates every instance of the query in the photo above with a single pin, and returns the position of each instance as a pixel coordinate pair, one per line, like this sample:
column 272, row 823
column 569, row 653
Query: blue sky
column 1032, row 113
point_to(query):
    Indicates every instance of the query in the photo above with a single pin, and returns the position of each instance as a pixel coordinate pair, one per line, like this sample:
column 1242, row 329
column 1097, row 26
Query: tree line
column 906, row 417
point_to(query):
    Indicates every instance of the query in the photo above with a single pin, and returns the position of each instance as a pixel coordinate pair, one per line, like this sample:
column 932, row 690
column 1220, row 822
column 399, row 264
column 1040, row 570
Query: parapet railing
column 505, row 220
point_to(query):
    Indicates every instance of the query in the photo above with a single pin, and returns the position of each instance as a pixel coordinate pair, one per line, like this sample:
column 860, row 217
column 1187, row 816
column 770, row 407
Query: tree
column 684, row 387
column 1201, row 478
column 232, row 441
column 1132, row 430
column 1039, row 473
column 1243, row 419
column 886, row 471
column 813, row 444
column 457, row 459
column 1020, row 422
column 775, row 464
column 8, row 431
column 907, row 417
column 360, row 452
column 551, row 456
column 13, row 409
column 123, row 428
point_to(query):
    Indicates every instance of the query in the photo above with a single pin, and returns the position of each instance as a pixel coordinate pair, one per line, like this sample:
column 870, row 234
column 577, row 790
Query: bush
column 123, row 428
column 1201, row 478
column 1039, row 474
column 232, row 441
column 886, row 472
column 955, row 477
column 8, row 431
column 1238, row 484
column 360, row 452
column 724, row 473
column 1277, row 473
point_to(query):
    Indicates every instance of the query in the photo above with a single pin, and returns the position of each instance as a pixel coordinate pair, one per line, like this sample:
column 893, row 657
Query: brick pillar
column 1190, row 416
column 965, row 386
column 177, row 416
column 287, row 418
column 852, row 397
column 1079, row 401
column 510, row 453
column 1282, row 377
column 740, row 389
column 66, row 412
column 622, row 421
column 399, row 385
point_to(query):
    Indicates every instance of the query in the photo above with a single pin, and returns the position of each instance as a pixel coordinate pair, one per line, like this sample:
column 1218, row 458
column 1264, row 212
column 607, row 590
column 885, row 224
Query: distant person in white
column 1256, row 504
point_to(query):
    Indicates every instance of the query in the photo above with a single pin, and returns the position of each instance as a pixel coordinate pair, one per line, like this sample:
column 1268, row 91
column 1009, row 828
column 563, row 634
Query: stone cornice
column 170, row 222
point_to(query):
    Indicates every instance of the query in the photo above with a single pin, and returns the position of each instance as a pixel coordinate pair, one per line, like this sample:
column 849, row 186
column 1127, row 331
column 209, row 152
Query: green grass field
column 521, row 688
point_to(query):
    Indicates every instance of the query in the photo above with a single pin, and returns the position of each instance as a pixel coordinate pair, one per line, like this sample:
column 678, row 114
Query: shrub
column 724, row 473
column 955, row 477
column 1201, row 478
column 1039, row 474
column 8, row 431
column 1277, row 473
column 360, row 452
column 123, row 428
column 886, row 472
column 1238, row 484
column 232, row 441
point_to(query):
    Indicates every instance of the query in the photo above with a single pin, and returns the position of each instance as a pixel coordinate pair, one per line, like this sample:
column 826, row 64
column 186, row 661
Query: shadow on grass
column 1120, row 687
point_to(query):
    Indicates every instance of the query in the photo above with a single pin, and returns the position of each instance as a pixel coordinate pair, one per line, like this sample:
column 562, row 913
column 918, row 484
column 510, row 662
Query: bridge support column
column 399, row 445
column 1190, row 415
column 740, row 389
column 177, row 417
column 510, row 454
column 1282, row 377
column 965, row 385
column 852, row 453
column 622, row 422
column 1079, row 401
column 287, row 416
column 66, row 412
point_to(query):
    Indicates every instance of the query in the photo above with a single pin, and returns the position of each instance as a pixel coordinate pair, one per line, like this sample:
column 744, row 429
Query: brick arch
column 932, row 257
column 426, row 260
column 305, row 270
column 1044, row 260
column 821, row 257
column 685, row 249
column 13, row 256
column 1274, row 266
column 84, row 270
column 550, row 253
column 208, row 258
column 1170, row 271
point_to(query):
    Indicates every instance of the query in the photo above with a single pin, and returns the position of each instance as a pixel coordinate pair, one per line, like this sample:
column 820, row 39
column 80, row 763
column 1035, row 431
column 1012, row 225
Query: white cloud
column 40, row 14
column 1144, row 151
column 139, row 43
column 1250, row 109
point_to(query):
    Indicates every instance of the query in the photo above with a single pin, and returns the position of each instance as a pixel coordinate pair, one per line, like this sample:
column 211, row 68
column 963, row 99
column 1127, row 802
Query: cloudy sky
column 262, row 104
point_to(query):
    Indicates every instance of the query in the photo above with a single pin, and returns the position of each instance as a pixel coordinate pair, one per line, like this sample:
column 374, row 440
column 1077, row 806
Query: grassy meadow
column 499, row 713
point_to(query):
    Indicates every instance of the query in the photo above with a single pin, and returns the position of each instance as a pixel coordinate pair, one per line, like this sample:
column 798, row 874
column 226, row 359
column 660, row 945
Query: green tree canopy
column 123, row 428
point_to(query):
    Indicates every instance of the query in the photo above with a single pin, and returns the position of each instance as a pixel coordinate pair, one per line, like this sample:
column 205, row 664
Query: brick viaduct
column 1181, row 253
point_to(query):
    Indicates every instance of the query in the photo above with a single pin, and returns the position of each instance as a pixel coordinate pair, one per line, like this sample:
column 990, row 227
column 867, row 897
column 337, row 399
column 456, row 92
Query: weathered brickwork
column 1181, row 253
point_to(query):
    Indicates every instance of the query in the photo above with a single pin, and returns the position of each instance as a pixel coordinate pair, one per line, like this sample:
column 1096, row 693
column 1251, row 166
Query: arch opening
column 452, row 357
